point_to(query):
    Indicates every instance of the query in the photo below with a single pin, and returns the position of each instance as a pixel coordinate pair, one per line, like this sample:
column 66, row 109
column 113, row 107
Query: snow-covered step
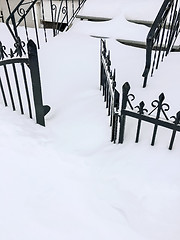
column 93, row 18
column 99, row 36
column 140, row 44
column 132, row 43
column 143, row 22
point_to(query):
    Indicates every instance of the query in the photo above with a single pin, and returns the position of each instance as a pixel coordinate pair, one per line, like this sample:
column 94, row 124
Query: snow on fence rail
column 118, row 114
column 20, row 84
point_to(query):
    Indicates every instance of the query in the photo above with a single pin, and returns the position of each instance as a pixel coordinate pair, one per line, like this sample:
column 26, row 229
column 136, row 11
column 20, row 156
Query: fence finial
column 2, row 51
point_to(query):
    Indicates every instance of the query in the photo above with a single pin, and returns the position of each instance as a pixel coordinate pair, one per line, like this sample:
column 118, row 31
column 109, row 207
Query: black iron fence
column 118, row 114
column 108, row 86
column 20, row 84
column 41, row 15
column 162, row 36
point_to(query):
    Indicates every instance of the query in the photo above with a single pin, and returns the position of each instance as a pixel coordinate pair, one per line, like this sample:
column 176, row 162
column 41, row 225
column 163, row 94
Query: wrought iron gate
column 20, row 84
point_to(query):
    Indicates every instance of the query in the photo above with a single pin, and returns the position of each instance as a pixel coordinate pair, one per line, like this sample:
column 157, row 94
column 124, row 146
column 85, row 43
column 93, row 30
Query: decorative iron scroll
column 118, row 114
column 162, row 36
column 159, row 117
column 62, row 13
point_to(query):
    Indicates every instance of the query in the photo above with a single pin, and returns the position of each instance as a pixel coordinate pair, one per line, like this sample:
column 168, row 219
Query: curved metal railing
column 162, row 36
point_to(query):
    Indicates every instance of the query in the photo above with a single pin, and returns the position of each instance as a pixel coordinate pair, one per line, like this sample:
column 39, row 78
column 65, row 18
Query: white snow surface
column 67, row 181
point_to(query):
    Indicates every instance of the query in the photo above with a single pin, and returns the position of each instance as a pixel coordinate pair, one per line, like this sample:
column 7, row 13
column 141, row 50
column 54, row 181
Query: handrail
column 62, row 14
column 22, row 13
column 160, row 37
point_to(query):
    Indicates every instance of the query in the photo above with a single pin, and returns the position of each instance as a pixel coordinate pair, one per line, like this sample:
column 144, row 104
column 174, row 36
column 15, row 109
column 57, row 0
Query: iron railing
column 57, row 15
column 162, row 36
column 20, row 84
column 108, row 86
column 118, row 114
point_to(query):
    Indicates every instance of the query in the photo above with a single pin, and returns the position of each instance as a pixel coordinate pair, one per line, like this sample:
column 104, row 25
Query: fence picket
column 17, row 87
column 26, row 90
column 3, row 93
column 141, row 111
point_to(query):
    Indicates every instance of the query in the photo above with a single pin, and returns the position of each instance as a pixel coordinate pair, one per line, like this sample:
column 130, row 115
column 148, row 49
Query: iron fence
column 40, row 14
column 118, row 114
column 162, row 36
column 108, row 86
column 20, row 84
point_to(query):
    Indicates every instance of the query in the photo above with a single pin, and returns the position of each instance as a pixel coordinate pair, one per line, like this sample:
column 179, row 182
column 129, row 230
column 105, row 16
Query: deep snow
column 68, row 181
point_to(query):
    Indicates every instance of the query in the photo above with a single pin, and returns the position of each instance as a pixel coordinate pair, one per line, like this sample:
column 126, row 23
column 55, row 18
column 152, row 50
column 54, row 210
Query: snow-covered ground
column 68, row 181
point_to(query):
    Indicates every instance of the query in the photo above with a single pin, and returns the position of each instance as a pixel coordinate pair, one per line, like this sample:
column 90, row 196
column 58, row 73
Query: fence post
column 40, row 110
column 125, row 91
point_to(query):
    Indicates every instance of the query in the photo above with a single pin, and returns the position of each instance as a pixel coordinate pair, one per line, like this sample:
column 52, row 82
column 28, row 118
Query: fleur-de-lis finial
column 19, row 47
column 141, row 109
column 160, row 106
column 176, row 118
column 3, row 54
